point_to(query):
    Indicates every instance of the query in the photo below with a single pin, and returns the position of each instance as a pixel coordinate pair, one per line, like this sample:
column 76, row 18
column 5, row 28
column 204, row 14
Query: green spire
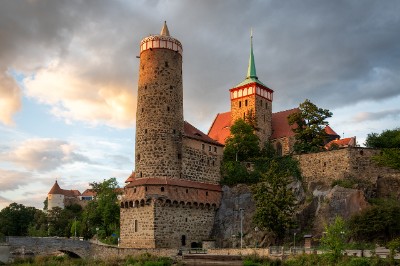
column 251, row 71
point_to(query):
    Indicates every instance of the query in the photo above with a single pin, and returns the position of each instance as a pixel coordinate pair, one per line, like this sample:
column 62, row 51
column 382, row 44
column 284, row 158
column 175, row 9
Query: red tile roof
column 330, row 131
column 342, row 143
column 191, row 132
column 220, row 128
column 173, row 182
column 130, row 178
column 69, row 193
column 280, row 125
column 88, row 193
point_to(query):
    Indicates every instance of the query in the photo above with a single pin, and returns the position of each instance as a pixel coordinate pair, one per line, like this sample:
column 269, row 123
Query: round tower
column 159, row 116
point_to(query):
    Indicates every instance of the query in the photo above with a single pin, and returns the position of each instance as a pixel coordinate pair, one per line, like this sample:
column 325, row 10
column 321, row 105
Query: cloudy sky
column 68, row 75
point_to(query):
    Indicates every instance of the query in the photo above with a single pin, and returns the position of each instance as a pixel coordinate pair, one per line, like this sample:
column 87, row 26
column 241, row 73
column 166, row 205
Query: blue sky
column 68, row 75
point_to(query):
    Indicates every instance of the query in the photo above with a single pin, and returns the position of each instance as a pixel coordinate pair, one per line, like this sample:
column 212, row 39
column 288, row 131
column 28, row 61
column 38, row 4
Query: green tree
column 275, row 202
column 15, row 219
column 335, row 237
column 309, row 127
column 103, row 211
column 389, row 142
column 242, row 145
column 387, row 139
column 379, row 222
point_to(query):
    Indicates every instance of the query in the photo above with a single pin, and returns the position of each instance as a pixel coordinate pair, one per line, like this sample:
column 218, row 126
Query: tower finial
column 251, row 71
column 164, row 30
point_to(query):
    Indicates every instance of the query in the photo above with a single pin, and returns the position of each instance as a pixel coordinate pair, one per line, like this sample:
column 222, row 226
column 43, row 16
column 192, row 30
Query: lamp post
column 97, row 235
column 241, row 227
column 294, row 239
column 75, row 226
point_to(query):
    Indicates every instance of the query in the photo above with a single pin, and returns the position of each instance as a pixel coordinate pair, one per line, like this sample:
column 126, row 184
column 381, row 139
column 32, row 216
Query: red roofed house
column 252, row 97
column 58, row 197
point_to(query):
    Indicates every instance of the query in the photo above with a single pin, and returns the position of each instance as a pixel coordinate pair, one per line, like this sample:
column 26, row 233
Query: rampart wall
column 344, row 163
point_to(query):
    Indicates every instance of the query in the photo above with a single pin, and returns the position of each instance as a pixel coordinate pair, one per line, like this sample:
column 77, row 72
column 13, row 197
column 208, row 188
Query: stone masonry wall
column 177, row 225
column 159, row 116
column 201, row 161
column 137, row 227
column 343, row 163
column 260, row 107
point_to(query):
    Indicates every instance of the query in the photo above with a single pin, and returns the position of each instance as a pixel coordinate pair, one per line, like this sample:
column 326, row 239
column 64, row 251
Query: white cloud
column 371, row 116
column 44, row 154
column 10, row 99
column 11, row 180
column 76, row 98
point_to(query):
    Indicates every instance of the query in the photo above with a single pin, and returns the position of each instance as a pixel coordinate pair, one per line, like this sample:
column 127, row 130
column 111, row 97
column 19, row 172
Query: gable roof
column 280, row 125
column 342, row 143
column 191, row 132
column 330, row 131
column 220, row 128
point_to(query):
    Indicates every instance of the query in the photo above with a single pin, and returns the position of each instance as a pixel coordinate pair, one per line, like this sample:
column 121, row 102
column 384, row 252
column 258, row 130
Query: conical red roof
column 56, row 189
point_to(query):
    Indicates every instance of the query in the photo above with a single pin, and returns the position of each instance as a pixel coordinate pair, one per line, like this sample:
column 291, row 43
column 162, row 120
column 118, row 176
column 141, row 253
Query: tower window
column 174, row 131
column 168, row 108
column 213, row 163
column 145, row 188
column 166, row 63
column 240, row 104
column 145, row 131
column 136, row 226
column 179, row 156
column 245, row 103
column 138, row 157
column 170, row 87
column 145, row 87
column 162, row 189
column 260, row 102
column 244, row 116
column 203, row 146
column 142, row 110
column 215, row 149
column 134, row 190
column 187, row 190
column 266, row 105
column 209, row 148
column 206, row 193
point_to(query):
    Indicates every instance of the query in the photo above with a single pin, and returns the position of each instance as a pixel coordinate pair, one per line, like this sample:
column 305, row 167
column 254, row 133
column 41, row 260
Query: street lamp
column 241, row 227
column 75, row 226
column 294, row 239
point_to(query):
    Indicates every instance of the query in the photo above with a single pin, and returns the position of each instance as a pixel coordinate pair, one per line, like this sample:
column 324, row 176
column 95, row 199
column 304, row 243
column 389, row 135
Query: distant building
column 58, row 197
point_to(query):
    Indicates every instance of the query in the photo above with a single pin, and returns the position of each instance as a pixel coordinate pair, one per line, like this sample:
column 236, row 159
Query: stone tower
column 171, row 198
column 159, row 116
column 253, row 98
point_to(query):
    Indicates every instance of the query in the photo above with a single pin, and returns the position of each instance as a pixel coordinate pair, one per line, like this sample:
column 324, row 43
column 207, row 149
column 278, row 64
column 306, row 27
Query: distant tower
column 252, row 97
column 159, row 116
column 55, row 197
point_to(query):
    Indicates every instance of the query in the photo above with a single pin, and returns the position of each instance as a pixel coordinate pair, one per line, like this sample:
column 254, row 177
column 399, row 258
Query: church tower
column 253, row 98
column 159, row 116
